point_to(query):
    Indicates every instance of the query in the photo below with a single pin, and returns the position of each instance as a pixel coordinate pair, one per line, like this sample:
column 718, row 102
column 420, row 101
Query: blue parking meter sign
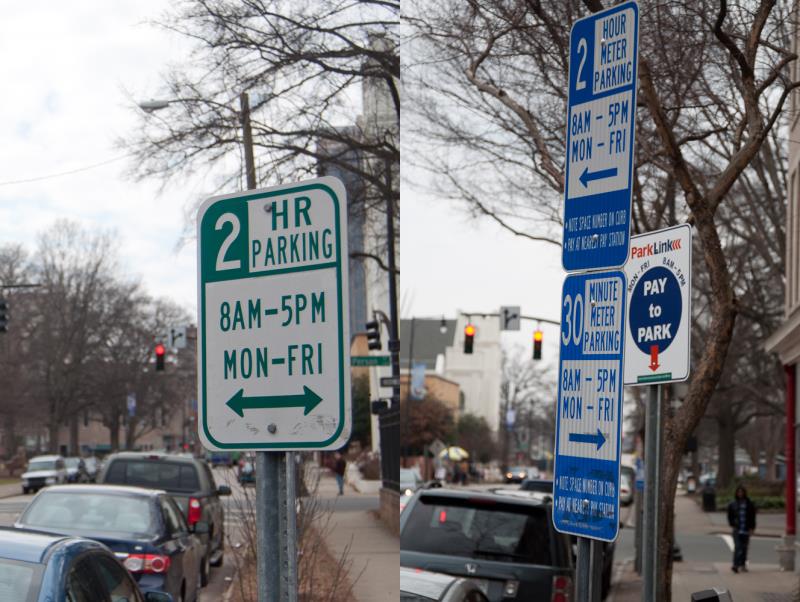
column 601, row 118
column 589, row 411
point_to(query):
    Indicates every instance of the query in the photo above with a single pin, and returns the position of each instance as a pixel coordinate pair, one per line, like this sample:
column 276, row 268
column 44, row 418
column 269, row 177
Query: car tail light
column 147, row 563
column 195, row 511
column 561, row 588
column 510, row 589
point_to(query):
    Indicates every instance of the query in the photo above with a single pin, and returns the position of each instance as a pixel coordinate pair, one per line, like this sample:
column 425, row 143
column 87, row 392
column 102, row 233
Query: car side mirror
column 200, row 528
column 158, row 597
column 223, row 490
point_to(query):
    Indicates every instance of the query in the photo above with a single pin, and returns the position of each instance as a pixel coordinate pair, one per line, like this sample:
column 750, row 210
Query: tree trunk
column 130, row 433
column 74, row 439
column 9, row 435
column 113, row 429
column 726, row 446
column 53, row 429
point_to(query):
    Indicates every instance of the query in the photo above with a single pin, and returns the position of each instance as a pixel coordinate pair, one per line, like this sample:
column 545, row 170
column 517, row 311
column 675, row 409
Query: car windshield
column 478, row 528
column 80, row 512
column 72, row 462
column 517, row 469
column 19, row 580
column 42, row 465
column 155, row 474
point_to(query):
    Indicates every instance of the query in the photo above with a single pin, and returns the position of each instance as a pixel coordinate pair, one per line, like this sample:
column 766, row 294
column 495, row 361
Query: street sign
column 273, row 340
column 390, row 381
column 589, row 410
column 176, row 338
column 365, row 361
column 659, row 274
column 601, row 118
column 510, row 317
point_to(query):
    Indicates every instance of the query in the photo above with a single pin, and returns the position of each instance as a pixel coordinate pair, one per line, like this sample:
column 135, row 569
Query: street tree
column 488, row 84
column 305, row 65
column 428, row 420
column 475, row 435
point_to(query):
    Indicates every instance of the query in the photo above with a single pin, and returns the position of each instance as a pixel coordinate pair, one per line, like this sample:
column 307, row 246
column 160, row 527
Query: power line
column 62, row 173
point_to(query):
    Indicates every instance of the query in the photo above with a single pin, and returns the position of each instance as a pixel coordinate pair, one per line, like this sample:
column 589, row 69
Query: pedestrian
column 339, row 467
column 742, row 518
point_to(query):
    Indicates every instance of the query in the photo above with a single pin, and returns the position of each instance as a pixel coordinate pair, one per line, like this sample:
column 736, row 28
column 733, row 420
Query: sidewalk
column 11, row 489
column 374, row 551
column 763, row 582
column 690, row 518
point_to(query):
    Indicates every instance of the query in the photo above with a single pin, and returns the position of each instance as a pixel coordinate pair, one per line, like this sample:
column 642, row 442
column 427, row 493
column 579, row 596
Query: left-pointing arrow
column 588, row 176
column 307, row 400
column 597, row 439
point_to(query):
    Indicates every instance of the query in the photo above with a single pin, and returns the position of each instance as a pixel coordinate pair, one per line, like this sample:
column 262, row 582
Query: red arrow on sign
column 654, row 358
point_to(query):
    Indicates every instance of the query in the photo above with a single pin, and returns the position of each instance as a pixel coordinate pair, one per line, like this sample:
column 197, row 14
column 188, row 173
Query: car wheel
column 25, row 491
column 205, row 570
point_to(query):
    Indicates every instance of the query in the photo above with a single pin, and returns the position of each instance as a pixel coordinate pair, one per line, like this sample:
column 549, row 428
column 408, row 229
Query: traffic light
column 373, row 335
column 538, row 335
column 4, row 315
column 160, row 351
column 469, row 337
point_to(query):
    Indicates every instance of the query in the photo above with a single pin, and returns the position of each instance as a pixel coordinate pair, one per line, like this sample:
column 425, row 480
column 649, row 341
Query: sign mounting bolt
column 272, row 429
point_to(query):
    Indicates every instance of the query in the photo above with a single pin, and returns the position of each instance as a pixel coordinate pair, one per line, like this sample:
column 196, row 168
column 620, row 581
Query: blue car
column 39, row 567
column 143, row 527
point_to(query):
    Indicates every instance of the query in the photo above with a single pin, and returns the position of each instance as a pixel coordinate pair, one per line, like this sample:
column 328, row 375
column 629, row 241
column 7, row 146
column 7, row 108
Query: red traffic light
column 469, row 335
column 160, row 350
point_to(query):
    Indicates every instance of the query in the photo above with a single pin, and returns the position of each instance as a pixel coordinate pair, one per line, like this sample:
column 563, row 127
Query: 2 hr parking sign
column 273, row 341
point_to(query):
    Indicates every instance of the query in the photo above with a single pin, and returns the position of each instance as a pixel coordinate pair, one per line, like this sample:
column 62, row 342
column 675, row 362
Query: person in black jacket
column 742, row 518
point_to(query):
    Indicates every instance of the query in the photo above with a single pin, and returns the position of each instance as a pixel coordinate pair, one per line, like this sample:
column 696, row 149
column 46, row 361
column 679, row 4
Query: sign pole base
column 268, row 560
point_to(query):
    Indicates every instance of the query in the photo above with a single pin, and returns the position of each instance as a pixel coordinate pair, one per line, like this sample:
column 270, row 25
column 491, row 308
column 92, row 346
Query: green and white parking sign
column 273, row 340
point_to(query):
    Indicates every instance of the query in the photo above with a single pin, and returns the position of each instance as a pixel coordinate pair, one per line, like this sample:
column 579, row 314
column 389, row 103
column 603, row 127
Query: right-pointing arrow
column 594, row 439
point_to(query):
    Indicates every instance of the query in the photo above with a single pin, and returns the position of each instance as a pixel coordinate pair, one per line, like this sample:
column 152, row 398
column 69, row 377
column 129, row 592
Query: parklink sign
column 273, row 347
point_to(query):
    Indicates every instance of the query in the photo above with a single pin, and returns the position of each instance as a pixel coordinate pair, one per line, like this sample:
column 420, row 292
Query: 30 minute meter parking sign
column 273, row 343
column 601, row 117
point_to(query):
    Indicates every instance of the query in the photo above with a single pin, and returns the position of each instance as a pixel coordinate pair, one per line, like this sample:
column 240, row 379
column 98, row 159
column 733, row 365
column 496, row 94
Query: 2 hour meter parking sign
column 273, row 342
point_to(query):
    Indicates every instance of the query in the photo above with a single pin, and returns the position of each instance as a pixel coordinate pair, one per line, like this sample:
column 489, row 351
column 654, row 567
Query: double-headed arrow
column 588, row 176
column 307, row 399
column 597, row 439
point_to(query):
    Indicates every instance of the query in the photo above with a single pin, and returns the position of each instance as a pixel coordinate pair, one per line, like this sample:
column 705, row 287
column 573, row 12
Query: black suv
column 191, row 484
column 506, row 543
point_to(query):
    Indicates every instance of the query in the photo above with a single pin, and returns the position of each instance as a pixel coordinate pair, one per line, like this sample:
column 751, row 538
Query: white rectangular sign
column 659, row 273
column 273, row 341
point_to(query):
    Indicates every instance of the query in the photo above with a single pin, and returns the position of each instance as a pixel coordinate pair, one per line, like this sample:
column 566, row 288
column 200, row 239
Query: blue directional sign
column 601, row 118
column 589, row 410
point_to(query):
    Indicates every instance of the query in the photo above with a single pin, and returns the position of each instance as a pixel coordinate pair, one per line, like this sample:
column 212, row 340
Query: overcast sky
column 66, row 69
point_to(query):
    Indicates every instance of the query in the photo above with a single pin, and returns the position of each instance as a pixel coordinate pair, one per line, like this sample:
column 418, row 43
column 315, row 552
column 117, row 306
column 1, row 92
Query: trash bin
column 709, row 499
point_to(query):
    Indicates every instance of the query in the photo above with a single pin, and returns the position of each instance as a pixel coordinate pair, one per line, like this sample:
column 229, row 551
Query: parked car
column 76, row 470
column 516, row 474
column 37, row 567
column 538, row 485
column 424, row 586
column 220, row 458
column 92, row 467
column 43, row 471
column 506, row 543
column 144, row 528
column 627, row 483
column 187, row 479
column 410, row 480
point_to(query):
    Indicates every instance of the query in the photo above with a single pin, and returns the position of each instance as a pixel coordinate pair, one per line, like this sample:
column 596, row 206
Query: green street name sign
column 273, row 342
column 369, row 360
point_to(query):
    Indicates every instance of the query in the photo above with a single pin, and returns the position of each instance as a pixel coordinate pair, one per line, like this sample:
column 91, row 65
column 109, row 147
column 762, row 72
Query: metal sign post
column 652, row 443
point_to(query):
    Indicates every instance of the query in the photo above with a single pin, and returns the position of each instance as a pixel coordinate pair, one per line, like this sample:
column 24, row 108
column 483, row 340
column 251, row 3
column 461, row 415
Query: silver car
column 423, row 586
column 43, row 471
